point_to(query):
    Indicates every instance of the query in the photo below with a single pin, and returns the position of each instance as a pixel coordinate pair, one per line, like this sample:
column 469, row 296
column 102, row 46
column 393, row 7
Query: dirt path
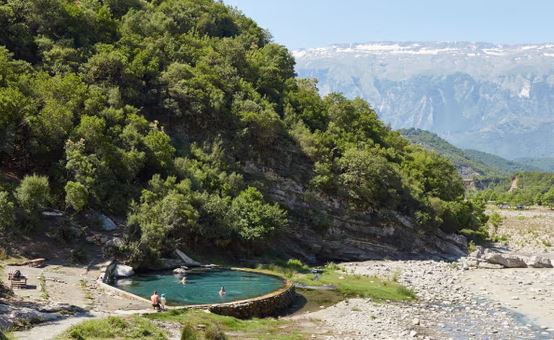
column 72, row 285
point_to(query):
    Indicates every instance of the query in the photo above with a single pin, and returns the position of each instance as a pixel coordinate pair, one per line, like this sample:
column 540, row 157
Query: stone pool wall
column 267, row 305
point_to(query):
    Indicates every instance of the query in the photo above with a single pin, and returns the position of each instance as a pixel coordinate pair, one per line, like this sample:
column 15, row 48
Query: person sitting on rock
column 155, row 299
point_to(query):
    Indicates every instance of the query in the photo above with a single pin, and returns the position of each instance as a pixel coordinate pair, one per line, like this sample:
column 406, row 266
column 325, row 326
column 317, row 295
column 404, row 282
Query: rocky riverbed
column 457, row 300
column 451, row 305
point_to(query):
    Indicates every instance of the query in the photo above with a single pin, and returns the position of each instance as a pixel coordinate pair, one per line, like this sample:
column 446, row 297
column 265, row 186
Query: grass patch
column 42, row 283
column 379, row 289
column 112, row 327
column 356, row 285
column 200, row 321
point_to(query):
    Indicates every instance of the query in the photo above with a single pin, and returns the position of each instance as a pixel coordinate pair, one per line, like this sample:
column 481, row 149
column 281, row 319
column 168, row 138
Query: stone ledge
column 263, row 306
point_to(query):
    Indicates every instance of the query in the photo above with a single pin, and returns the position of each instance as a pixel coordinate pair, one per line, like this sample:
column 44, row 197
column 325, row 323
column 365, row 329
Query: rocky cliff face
column 322, row 229
column 493, row 98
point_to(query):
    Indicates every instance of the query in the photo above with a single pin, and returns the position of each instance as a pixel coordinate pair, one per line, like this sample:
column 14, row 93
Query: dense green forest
column 545, row 164
column 471, row 163
column 533, row 188
column 151, row 110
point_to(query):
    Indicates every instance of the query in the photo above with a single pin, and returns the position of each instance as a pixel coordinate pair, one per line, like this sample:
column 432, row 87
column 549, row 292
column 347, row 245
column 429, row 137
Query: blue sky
column 314, row 23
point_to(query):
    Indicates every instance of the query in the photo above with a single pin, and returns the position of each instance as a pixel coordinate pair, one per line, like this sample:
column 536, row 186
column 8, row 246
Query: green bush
column 33, row 193
column 7, row 211
column 76, row 195
column 254, row 219
column 298, row 266
column 189, row 333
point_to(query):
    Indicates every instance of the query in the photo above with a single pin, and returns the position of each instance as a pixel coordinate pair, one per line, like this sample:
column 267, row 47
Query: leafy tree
column 433, row 175
column 548, row 198
column 7, row 211
column 76, row 195
column 33, row 193
column 495, row 220
column 254, row 219
column 368, row 180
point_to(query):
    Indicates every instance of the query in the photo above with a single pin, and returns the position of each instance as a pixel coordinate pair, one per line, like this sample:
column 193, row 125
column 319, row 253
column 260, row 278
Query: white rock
column 114, row 242
column 122, row 270
column 186, row 259
column 413, row 334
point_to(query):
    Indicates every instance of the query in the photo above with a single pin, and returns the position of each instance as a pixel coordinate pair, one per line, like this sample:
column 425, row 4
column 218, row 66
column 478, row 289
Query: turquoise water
column 202, row 287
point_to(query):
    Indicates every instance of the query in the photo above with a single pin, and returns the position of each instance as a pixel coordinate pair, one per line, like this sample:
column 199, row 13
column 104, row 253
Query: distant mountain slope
column 470, row 163
column 545, row 164
column 500, row 163
column 494, row 98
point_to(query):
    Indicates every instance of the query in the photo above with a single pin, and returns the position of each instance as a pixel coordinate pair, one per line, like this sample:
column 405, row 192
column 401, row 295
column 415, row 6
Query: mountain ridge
column 495, row 98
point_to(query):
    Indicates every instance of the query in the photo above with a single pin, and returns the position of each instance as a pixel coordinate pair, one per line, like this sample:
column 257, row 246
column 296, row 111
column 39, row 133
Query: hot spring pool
column 202, row 286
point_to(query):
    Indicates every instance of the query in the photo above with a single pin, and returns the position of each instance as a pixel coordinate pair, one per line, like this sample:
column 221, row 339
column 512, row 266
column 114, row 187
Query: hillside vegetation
column 531, row 188
column 151, row 111
column 470, row 163
column 545, row 164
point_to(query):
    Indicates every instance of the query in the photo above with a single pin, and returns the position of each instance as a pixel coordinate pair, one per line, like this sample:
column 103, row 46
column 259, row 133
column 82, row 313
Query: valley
column 453, row 300
column 177, row 147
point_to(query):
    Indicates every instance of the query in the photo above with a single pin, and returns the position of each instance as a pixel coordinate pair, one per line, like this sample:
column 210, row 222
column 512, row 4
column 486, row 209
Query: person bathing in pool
column 222, row 291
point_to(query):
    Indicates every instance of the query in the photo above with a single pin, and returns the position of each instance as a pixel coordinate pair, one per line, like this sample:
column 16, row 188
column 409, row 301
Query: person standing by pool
column 163, row 301
column 155, row 299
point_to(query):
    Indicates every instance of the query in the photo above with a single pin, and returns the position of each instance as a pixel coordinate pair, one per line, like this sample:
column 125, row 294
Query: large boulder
column 539, row 262
column 106, row 223
column 122, row 270
column 506, row 260
column 24, row 316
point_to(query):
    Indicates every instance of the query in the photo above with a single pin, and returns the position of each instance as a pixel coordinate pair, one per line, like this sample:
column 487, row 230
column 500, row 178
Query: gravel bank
column 447, row 308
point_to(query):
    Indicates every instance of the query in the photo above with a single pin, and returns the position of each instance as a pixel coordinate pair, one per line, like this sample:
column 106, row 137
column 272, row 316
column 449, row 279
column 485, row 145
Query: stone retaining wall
column 263, row 306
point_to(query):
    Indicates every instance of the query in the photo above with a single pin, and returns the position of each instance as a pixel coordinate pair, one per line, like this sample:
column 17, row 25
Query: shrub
column 33, row 193
column 6, row 211
column 297, row 265
column 213, row 332
column 76, row 195
column 189, row 333
column 253, row 218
